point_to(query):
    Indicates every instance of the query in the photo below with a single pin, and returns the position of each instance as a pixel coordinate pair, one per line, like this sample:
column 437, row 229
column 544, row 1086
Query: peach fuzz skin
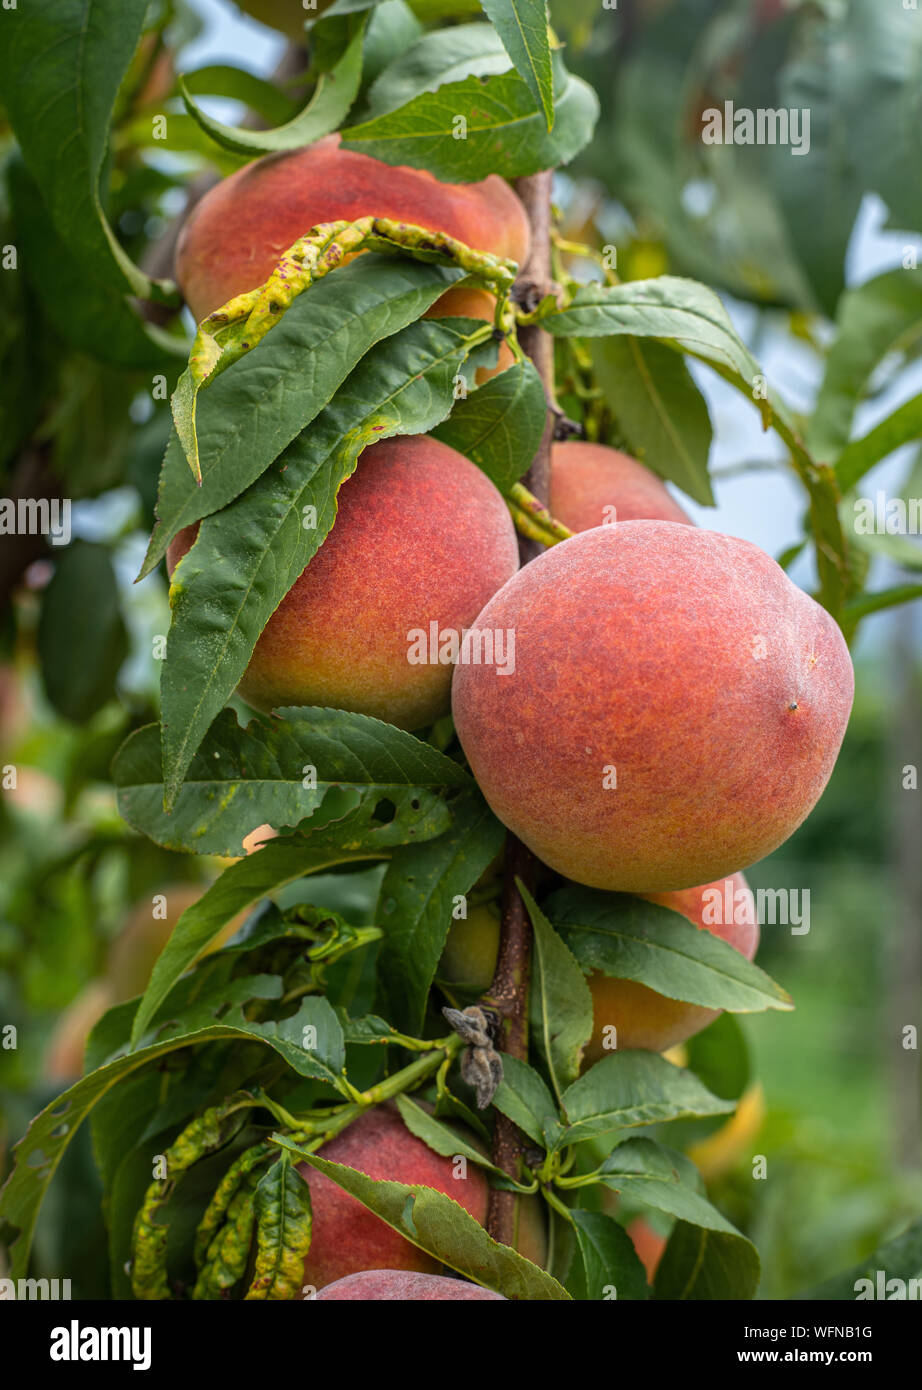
column 348, row 1238
column 686, row 662
column 646, row 1019
column 592, row 485
column 421, row 535
column 378, row 1284
column 235, row 235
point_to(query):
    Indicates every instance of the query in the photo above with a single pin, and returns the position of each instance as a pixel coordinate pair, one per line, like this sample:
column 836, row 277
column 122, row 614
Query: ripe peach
column 422, row 538
column 675, row 711
column 237, row 232
column 592, row 485
column 347, row 1237
column 646, row 1019
column 402, row 1284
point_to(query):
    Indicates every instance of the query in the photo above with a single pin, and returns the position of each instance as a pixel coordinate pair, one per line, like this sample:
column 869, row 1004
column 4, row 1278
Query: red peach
column 643, row 1017
column 348, row 1238
column 422, row 536
column 235, row 235
column 592, row 485
column 675, row 711
column 402, row 1284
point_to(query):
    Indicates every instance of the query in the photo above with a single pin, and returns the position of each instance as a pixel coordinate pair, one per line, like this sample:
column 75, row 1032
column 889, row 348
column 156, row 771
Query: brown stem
column 508, row 993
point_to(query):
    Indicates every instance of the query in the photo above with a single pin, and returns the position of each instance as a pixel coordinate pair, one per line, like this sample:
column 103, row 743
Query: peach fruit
column 235, row 235
column 675, row 711
column 348, row 1238
column 592, row 485
column 404, row 1284
column 421, row 537
column 646, row 1019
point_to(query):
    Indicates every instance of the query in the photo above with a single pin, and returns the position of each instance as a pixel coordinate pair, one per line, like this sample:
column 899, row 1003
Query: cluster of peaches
column 673, row 710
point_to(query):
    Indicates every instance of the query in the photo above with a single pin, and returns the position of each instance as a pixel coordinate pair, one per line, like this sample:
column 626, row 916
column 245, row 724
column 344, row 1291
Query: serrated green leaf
column 416, row 898
column 522, row 26
column 881, row 316
column 439, row 1137
column 610, row 1266
column 500, row 425
column 659, row 409
column 440, row 1226
column 504, row 132
column 560, row 1003
column 660, row 1177
column 245, row 777
column 248, row 556
column 523, row 1097
column 438, row 58
column 254, row 410
column 632, row 938
column 40, row 1152
column 341, row 832
column 630, row 1089
column 705, row 1264
column 61, row 64
column 327, row 109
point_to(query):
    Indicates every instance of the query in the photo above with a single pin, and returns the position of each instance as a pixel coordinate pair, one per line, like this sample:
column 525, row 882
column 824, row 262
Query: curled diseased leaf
column 236, row 328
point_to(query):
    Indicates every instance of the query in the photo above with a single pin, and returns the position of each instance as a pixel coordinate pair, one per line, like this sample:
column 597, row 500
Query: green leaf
column 437, row 1224
column 523, row 1097
column 883, row 315
column 634, row 939
column 40, row 1152
column 561, row 1005
column 416, row 899
column 900, row 1258
column 876, row 603
column 683, row 313
column 82, row 641
column 719, row 1056
column 500, row 425
column 630, row 1089
column 249, row 415
column 818, row 194
column 901, row 427
column 659, row 408
column 705, row 1264
column 439, row 1137
column 283, row 1232
column 220, row 80
column 61, row 64
column 341, row 832
column 656, row 1176
column 522, row 26
column 392, row 29
column 90, row 313
column 247, row 556
column 325, row 112
column 245, row 777
column 504, row 133
column 438, row 58
column 610, row 1268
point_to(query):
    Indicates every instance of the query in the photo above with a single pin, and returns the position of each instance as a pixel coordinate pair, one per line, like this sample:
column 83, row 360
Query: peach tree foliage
column 252, row 1058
